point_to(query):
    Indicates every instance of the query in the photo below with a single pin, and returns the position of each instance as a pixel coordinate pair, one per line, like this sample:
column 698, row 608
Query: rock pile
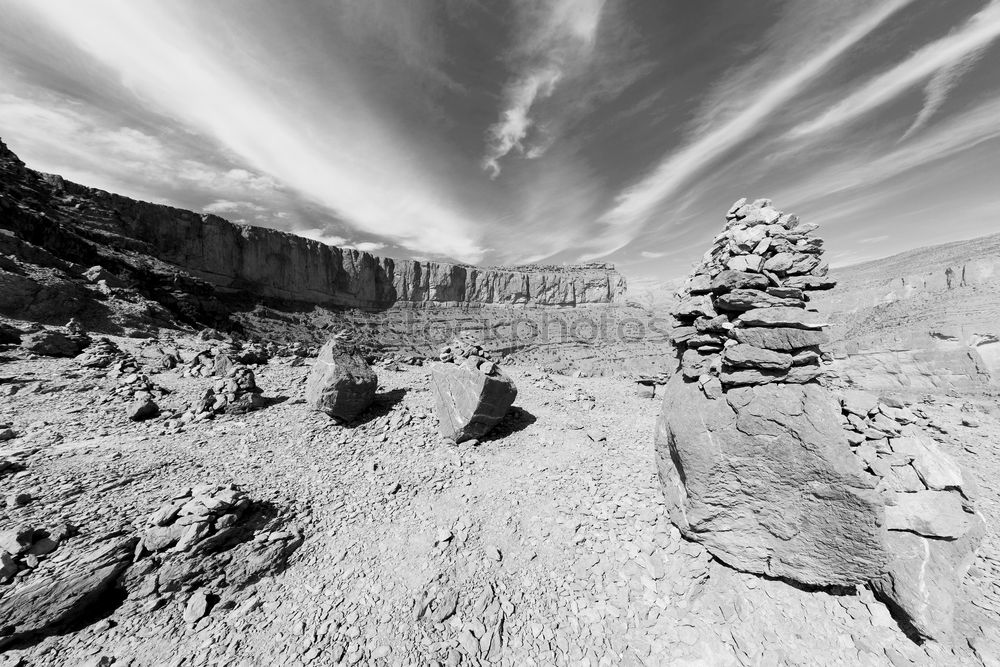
column 769, row 469
column 206, row 512
column 138, row 391
column 743, row 319
column 105, row 353
column 933, row 528
column 220, row 360
column 341, row 383
column 208, row 535
column 23, row 547
column 471, row 393
column 237, row 393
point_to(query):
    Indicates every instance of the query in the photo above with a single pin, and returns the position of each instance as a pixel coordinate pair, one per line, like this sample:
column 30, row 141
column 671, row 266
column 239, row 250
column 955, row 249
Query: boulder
column 765, row 479
column 935, row 469
column 9, row 335
column 341, row 383
column 142, row 409
column 469, row 402
column 924, row 576
column 55, row 343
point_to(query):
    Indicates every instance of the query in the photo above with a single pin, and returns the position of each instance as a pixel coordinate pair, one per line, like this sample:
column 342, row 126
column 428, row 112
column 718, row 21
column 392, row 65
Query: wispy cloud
column 946, row 139
column 652, row 255
column 636, row 204
column 555, row 39
column 938, row 88
column 339, row 154
column 949, row 55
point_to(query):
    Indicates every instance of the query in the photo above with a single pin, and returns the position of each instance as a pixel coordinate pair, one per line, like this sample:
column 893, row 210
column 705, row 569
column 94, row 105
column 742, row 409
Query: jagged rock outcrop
column 71, row 225
column 772, row 470
column 933, row 527
column 471, row 393
column 341, row 383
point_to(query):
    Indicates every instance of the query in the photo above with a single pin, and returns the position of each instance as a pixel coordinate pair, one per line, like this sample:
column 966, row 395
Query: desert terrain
column 376, row 540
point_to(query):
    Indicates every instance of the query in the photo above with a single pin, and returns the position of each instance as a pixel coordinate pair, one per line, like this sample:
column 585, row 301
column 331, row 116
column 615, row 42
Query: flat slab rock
column 48, row 603
column 924, row 576
column 765, row 479
column 468, row 402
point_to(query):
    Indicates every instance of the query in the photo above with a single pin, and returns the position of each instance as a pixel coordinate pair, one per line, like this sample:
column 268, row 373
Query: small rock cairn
column 465, row 349
column 742, row 320
column 105, row 353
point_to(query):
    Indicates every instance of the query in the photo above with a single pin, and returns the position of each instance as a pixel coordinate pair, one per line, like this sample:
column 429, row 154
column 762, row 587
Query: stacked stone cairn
column 105, row 354
column 933, row 527
column 471, row 392
column 742, row 320
column 341, row 383
column 237, row 393
column 770, row 469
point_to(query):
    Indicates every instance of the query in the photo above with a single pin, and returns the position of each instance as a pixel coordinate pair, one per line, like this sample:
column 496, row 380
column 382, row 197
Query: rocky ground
column 545, row 544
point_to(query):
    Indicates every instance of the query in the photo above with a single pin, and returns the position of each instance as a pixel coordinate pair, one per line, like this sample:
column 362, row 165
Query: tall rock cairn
column 742, row 319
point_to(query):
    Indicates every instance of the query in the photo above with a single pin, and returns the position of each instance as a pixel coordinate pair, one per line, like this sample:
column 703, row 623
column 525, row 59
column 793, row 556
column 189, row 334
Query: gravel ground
column 546, row 544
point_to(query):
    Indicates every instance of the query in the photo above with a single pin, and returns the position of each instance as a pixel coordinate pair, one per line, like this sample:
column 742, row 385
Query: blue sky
column 522, row 130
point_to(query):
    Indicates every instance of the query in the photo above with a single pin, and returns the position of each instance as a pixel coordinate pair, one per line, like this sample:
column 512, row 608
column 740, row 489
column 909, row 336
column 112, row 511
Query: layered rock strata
column 72, row 228
column 471, row 393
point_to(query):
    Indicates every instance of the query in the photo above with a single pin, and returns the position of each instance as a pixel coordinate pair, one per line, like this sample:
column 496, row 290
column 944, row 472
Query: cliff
column 923, row 319
column 270, row 263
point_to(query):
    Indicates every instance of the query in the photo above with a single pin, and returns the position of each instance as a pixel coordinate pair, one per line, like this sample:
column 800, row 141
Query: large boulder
column 471, row 393
column 55, row 343
column 341, row 383
column 469, row 399
column 765, row 479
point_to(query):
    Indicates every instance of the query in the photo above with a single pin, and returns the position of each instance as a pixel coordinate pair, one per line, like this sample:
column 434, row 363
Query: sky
column 522, row 131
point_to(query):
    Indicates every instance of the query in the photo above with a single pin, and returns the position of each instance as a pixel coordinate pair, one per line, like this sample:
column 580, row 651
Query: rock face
column 934, row 530
column 764, row 478
column 471, row 393
column 774, row 472
column 261, row 261
column 341, row 383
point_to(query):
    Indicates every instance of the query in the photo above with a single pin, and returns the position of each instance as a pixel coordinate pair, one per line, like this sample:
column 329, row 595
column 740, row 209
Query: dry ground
column 552, row 533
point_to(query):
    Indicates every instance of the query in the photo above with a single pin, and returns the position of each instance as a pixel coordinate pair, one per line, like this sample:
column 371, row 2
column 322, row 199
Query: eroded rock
column 341, row 383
